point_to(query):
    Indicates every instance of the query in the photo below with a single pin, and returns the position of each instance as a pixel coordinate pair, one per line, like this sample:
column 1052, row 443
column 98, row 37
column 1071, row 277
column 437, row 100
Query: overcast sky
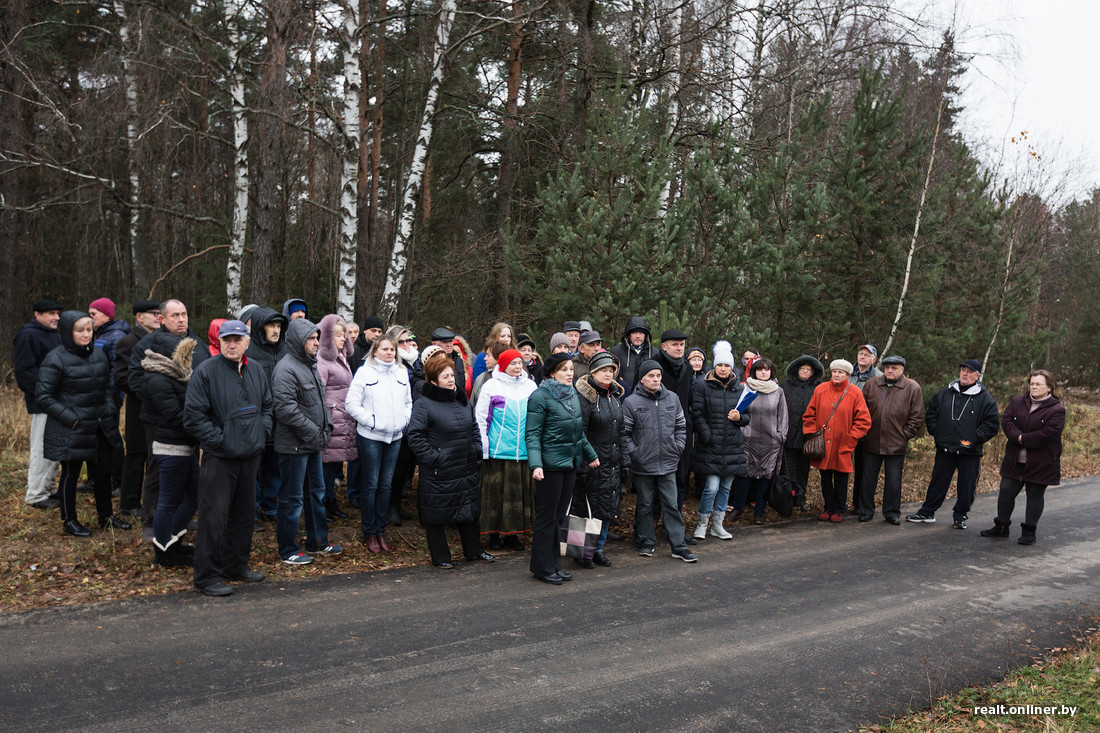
column 1037, row 70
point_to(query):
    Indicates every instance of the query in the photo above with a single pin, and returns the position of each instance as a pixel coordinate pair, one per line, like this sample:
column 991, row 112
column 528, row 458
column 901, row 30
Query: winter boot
column 1027, row 534
column 701, row 527
column 171, row 558
column 1000, row 529
column 716, row 528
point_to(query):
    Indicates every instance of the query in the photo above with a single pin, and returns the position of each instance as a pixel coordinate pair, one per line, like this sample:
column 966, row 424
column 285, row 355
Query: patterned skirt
column 507, row 496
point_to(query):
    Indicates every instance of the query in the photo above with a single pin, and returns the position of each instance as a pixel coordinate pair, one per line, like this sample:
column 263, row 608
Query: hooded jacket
column 447, row 446
column 261, row 352
column 962, row 421
column 654, row 431
column 554, row 431
column 602, row 417
column 897, row 414
column 30, row 347
column 849, row 423
column 501, row 416
column 797, row 392
column 302, row 424
column 228, row 407
column 135, row 428
column 1036, row 436
column 380, row 400
column 74, row 390
column 336, row 374
column 720, row 448
column 629, row 358
column 107, row 337
column 166, row 380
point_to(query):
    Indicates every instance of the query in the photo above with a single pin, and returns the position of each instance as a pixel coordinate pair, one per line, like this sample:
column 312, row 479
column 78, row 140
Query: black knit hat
column 554, row 362
column 647, row 366
column 373, row 322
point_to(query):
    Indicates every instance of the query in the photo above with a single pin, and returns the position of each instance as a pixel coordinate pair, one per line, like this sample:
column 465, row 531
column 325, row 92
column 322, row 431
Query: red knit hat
column 106, row 306
column 506, row 358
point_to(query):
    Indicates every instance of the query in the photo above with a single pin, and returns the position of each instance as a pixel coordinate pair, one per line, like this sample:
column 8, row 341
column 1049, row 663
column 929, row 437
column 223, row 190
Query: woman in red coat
column 848, row 424
column 1033, row 424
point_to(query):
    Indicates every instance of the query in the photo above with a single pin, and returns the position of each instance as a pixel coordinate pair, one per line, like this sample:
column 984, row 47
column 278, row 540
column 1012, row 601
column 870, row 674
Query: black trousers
column 945, row 466
column 834, row 490
column 441, row 551
column 857, row 477
column 402, row 474
column 150, row 488
column 891, row 490
column 1006, row 500
column 552, row 497
column 227, row 512
column 99, row 471
column 796, row 467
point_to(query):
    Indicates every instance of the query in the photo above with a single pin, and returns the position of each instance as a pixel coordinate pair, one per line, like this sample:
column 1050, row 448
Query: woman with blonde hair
column 501, row 333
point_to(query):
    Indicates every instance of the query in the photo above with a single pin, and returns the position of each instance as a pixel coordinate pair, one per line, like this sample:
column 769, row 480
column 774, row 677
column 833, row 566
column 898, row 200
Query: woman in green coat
column 556, row 446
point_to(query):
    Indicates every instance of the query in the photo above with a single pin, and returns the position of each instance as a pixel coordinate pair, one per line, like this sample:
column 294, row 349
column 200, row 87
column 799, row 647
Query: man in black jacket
column 139, row 466
column 962, row 417
column 34, row 340
column 634, row 349
column 228, row 409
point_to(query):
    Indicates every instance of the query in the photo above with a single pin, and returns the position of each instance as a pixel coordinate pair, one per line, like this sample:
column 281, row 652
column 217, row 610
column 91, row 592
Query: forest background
column 786, row 174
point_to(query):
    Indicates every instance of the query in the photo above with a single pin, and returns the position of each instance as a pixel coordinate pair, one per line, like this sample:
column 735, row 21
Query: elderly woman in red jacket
column 839, row 408
column 1033, row 424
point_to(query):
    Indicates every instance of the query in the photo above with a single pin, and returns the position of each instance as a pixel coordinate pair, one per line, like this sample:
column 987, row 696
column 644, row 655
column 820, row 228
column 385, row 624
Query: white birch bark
column 233, row 9
column 395, row 277
column 349, row 174
column 129, row 73
column 673, row 99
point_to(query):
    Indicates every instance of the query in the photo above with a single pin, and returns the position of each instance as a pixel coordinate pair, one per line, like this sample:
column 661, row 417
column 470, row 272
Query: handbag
column 814, row 447
column 781, row 495
column 578, row 536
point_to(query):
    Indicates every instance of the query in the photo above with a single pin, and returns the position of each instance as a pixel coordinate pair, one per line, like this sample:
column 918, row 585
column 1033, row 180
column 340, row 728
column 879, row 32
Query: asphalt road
column 794, row 627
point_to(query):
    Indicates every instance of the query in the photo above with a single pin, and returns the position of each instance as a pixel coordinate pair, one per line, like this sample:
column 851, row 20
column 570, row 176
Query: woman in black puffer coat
column 74, row 390
column 719, row 447
column 447, row 446
column 602, row 416
column 803, row 375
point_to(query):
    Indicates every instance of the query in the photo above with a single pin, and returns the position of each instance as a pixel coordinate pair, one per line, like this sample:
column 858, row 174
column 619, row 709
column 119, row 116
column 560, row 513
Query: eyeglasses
column 405, row 341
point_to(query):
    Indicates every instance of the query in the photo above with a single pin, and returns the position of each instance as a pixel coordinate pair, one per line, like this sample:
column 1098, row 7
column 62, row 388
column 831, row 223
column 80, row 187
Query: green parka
column 555, row 430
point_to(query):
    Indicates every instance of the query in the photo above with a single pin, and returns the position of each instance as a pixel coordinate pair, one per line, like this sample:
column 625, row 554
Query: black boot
column 999, row 529
column 171, row 558
column 1027, row 534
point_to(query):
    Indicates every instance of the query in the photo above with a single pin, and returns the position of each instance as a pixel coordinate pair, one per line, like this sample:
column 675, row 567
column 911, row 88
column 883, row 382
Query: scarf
column 563, row 393
column 762, row 387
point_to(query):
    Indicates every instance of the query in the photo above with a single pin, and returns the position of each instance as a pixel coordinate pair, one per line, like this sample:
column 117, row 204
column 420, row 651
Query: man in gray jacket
column 653, row 437
column 302, row 430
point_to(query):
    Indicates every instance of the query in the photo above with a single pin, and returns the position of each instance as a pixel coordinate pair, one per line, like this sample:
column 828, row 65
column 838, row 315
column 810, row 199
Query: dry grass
column 42, row 567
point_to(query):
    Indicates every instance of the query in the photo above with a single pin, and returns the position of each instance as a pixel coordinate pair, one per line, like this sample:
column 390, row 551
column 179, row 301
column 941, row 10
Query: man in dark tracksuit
column 137, row 467
column 962, row 417
column 229, row 410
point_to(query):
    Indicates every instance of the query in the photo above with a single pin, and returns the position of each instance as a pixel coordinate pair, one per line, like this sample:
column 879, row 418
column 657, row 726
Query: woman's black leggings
column 99, row 471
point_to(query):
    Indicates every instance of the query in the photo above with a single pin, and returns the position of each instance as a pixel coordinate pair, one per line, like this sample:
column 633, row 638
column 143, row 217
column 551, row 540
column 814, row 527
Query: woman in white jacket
column 507, row 500
column 380, row 400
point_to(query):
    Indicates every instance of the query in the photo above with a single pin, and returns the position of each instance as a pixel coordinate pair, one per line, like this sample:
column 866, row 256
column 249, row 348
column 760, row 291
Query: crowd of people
column 260, row 422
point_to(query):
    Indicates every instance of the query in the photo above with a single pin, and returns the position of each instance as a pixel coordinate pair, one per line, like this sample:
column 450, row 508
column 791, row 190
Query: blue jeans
column 267, row 482
column 179, row 498
column 302, row 476
column 353, row 478
column 331, row 471
column 377, row 461
column 716, row 494
column 603, row 535
column 757, row 488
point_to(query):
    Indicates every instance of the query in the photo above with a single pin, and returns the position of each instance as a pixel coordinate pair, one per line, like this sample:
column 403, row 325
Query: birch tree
column 395, row 277
column 673, row 109
column 240, row 158
column 129, row 26
column 346, row 274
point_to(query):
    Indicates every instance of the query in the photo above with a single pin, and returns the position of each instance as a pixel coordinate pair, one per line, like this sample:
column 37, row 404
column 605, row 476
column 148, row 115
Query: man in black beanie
column 372, row 328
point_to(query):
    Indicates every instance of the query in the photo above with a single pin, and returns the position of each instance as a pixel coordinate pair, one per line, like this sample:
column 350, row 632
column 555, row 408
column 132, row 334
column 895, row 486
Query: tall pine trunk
column 349, row 177
column 395, row 278
column 240, row 159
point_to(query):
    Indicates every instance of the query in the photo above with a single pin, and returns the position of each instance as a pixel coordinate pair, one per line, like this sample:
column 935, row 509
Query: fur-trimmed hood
column 588, row 391
column 794, row 366
column 327, row 350
column 178, row 367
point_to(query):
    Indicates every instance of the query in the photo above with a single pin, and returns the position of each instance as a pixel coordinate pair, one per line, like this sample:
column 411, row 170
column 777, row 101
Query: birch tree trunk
column 240, row 159
column 673, row 98
column 129, row 72
column 395, row 277
column 349, row 176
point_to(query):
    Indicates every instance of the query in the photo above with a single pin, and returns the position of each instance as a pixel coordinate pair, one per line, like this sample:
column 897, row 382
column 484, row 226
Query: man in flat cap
column 34, row 340
column 590, row 344
column 139, row 467
column 572, row 331
column 897, row 415
column 677, row 377
column 962, row 417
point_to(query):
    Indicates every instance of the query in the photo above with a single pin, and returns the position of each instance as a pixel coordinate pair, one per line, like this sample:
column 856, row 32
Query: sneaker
column 298, row 558
column 685, row 554
column 960, row 524
column 645, row 551
column 330, row 549
column 920, row 518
